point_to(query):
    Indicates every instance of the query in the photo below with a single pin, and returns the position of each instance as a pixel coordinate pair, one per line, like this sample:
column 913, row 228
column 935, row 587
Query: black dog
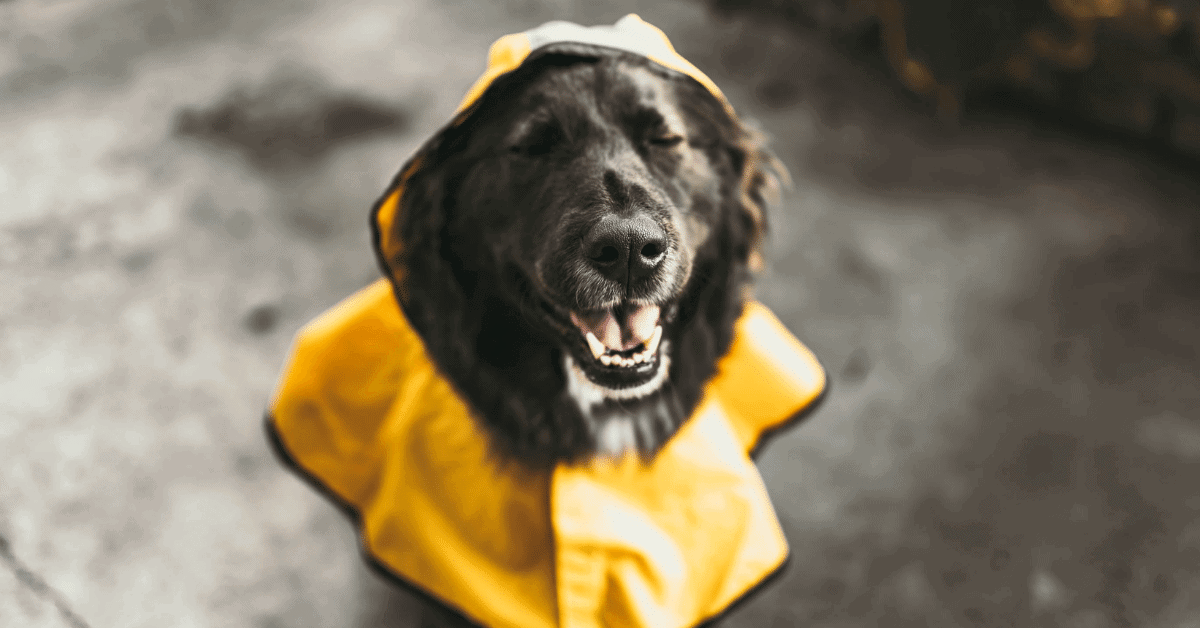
column 575, row 259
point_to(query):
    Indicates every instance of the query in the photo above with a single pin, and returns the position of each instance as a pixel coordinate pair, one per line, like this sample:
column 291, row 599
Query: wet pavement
column 1008, row 313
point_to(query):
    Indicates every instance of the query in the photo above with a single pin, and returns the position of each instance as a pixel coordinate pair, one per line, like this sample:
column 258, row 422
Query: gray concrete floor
column 1007, row 312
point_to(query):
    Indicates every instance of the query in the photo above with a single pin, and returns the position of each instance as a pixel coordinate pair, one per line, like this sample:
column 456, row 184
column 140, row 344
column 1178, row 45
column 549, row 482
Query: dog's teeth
column 638, row 358
column 606, row 360
column 597, row 347
column 655, row 338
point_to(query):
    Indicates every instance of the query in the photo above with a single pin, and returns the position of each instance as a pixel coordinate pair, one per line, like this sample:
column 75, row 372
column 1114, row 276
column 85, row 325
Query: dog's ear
column 758, row 176
column 763, row 178
column 428, row 284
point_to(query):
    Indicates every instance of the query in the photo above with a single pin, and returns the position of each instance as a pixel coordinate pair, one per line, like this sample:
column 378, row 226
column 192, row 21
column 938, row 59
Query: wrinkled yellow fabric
column 362, row 409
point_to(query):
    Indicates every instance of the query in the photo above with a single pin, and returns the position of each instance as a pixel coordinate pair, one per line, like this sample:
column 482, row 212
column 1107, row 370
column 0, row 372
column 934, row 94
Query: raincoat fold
column 362, row 411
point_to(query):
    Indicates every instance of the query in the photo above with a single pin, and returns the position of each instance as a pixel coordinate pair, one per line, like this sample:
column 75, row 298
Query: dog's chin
column 626, row 419
column 617, row 363
column 592, row 385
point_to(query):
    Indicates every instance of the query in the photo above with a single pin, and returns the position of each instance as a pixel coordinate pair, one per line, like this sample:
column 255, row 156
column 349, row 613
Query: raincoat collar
column 362, row 412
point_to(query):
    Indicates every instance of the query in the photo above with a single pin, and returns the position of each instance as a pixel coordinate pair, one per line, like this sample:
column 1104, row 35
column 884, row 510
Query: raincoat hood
column 363, row 413
column 630, row 35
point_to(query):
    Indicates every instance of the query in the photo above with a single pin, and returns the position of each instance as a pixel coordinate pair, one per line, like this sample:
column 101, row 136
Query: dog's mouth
column 623, row 337
column 620, row 349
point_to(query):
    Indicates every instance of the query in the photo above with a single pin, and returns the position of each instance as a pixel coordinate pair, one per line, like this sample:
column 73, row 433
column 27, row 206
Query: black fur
column 491, row 222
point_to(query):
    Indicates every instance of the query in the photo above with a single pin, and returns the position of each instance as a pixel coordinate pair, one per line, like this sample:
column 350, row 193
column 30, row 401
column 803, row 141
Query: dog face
column 575, row 253
column 601, row 193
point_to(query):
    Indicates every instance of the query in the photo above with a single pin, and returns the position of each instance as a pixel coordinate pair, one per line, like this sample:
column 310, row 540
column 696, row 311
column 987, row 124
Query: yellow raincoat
column 362, row 412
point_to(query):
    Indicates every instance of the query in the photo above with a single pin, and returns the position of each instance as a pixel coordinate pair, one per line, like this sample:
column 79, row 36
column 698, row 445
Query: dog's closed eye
column 653, row 129
column 666, row 139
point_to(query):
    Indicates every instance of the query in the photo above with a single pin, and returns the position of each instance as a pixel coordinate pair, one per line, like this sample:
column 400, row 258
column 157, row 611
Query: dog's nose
column 626, row 249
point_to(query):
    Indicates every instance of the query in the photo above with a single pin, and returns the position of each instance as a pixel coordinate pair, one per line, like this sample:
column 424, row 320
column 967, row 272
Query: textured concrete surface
column 1008, row 313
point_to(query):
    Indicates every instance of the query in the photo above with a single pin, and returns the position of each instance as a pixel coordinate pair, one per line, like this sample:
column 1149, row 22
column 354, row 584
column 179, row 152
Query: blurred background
column 993, row 245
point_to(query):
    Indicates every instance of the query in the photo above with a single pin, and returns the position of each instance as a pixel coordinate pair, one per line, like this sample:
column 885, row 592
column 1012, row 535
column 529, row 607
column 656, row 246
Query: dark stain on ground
column 204, row 210
column 34, row 76
column 262, row 319
column 857, row 269
column 866, row 290
column 857, row 367
column 1141, row 527
column 180, row 345
column 1140, row 300
column 310, row 223
column 978, row 565
column 741, row 57
column 778, row 93
column 294, row 119
column 240, row 224
column 1044, row 461
column 271, row 621
column 138, row 261
column 248, row 466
